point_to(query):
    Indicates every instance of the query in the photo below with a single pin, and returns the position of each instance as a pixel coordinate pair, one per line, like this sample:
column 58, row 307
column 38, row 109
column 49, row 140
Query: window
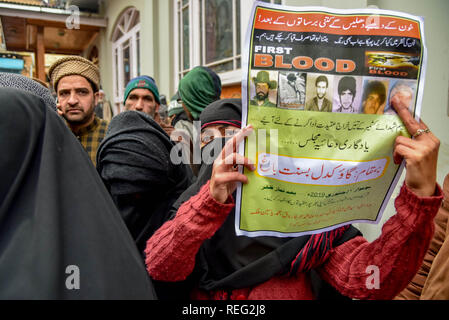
column 211, row 33
column 183, row 19
column 220, row 34
column 125, row 52
column 208, row 34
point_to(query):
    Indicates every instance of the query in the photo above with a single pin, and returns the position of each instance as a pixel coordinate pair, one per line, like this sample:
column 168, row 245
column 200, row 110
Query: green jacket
column 266, row 103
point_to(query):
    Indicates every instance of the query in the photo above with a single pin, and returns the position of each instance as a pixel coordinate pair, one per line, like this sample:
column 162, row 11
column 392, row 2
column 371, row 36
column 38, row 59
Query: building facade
column 166, row 39
column 171, row 37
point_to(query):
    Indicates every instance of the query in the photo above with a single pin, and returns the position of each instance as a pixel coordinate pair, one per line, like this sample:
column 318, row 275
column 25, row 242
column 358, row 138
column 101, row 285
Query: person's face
column 321, row 88
column 346, row 99
column 100, row 95
column 142, row 100
column 76, row 100
column 262, row 90
column 371, row 104
column 216, row 131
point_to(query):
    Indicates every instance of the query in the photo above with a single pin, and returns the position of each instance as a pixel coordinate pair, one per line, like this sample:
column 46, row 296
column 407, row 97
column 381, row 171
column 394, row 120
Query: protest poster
column 317, row 85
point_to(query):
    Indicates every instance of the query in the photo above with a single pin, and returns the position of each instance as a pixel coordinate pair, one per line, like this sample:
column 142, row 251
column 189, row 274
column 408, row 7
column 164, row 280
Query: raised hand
column 225, row 174
column 420, row 152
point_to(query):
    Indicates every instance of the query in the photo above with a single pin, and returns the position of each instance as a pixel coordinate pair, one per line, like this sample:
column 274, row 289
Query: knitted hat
column 142, row 82
column 200, row 87
column 224, row 111
column 74, row 65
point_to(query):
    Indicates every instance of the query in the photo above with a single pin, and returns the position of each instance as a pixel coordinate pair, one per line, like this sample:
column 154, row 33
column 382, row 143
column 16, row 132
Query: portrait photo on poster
column 404, row 90
column 347, row 94
column 319, row 92
column 263, row 88
column 292, row 90
column 374, row 97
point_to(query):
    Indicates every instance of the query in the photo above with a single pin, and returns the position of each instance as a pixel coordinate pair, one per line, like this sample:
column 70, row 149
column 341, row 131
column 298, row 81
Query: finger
column 402, row 152
column 430, row 133
column 410, row 123
column 232, row 144
column 408, row 142
column 403, row 142
column 238, row 159
column 409, row 148
column 424, row 125
column 397, row 158
column 230, row 177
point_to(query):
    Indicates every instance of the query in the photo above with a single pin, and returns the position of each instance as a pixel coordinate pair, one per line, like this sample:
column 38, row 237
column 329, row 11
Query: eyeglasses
column 208, row 134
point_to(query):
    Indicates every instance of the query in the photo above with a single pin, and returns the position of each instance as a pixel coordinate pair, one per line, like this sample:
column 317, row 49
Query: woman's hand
column 420, row 153
column 225, row 174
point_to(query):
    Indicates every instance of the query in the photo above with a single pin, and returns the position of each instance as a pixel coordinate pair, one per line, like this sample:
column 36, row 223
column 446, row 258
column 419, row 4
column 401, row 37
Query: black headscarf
column 56, row 216
column 134, row 163
column 225, row 111
column 227, row 261
column 12, row 80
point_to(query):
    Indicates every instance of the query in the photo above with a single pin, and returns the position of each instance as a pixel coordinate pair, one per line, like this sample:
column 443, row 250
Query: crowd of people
column 106, row 198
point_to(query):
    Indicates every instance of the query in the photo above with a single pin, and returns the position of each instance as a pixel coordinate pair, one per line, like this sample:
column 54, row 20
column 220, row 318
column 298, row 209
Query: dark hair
column 376, row 87
column 321, row 79
column 94, row 87
column 291, row 77
column 347, row 83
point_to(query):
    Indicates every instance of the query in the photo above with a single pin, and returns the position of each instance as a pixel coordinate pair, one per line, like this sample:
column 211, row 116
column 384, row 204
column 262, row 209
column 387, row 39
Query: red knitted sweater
column 397, row 253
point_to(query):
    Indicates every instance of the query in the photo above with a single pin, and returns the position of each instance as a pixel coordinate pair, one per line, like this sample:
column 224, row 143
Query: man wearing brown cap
column 263, row 86
column 77, row 81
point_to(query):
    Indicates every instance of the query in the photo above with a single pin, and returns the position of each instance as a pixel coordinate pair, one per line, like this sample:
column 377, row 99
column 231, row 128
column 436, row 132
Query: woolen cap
column 74, row 65
column 224, row 111
column 142, row 82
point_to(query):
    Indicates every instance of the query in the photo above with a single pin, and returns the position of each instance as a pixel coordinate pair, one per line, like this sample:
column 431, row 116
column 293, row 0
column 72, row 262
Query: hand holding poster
column 317, row 88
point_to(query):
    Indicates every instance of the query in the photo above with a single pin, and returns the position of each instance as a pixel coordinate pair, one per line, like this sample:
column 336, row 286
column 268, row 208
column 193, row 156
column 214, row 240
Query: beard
column 81, row 118
column 261, row 96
